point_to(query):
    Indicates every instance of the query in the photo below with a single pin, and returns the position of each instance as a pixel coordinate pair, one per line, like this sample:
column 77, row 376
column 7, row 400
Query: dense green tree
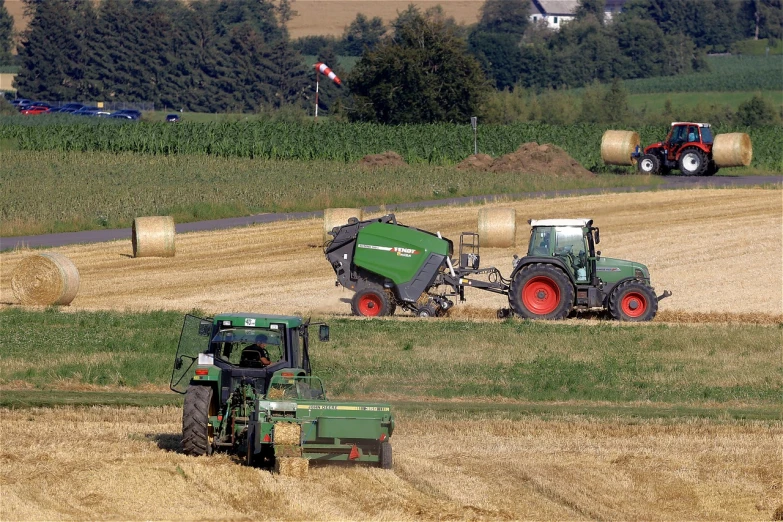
column 504, row 16
column 591, row 8
column 645, row 44
column 756, row 111
column 421, row 73
column 500, row 57
column 6, row 35
column 54, row 50
column 362, row 33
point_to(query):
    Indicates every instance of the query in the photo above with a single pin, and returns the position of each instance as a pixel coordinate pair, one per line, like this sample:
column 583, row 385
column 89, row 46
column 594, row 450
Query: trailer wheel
column 371, row 302
column 692, row 162
column 541, row 291
column 633, row 301
column 196, row 433
column 385, row 455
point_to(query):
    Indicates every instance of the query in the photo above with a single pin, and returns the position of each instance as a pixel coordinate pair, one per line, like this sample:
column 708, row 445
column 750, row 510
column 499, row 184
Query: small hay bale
column 497, row 227
column 295, row 467
column 287, row 433
column 617, row 146
column 732, row 150
column 335, row 217
column 153, row 236
column 45, row 279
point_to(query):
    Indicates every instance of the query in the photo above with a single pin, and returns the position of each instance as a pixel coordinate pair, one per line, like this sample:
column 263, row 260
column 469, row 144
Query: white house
column 556, row 12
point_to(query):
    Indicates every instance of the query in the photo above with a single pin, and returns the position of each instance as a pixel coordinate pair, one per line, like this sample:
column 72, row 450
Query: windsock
column 328, row 72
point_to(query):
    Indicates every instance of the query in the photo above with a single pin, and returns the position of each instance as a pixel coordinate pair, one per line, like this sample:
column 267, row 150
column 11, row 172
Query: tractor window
column 540, row 242
column 570, row 244
column 693, row 133
column 678, row 134
column 706, row 135
column 235, row 345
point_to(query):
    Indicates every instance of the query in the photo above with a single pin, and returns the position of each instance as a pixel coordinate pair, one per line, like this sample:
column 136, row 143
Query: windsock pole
column 317, row 81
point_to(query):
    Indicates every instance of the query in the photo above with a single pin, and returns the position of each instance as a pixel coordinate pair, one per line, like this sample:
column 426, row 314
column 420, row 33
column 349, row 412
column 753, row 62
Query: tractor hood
column 612, row 270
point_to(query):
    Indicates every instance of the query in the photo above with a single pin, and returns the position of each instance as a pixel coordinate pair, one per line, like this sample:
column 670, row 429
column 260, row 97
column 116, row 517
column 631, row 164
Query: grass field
column 63, row 192
column 655, row 102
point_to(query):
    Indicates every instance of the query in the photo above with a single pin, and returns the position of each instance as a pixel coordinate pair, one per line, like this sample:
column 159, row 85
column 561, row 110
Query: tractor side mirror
column 204, row 329
column 597, row 236
column 323, row 333
column 178, row 363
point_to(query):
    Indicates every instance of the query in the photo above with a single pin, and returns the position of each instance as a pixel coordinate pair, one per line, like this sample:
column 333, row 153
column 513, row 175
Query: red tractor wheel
column 692, row 162
column 541, row 291
column 633, row 301
column 371, row 302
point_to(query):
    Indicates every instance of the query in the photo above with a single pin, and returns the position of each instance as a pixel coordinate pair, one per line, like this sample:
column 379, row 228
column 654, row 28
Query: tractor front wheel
column 385, row 455
column 196, row 432
column 692, row 162
column 649, row 164
column 371, row 302
column 541, row 291
column 633, row 301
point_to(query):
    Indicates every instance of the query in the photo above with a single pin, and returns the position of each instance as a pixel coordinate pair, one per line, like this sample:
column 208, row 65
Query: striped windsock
column 328, row 72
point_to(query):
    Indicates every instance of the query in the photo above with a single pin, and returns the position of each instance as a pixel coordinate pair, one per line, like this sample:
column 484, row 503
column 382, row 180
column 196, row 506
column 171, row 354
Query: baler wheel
column 541, row 291
column 633, row 301
column 196, row 433
column 371, row 302
column 385, row 455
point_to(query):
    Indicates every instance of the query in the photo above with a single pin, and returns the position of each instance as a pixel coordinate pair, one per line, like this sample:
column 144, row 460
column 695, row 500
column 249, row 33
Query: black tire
column 711, row 169
column 541, row 291
column 392, row 301
column 385, row 456
column 633, row 301
column 371, row 301
column 428, row 310
column 649, row 164
column 196, row 438
column 692, row 162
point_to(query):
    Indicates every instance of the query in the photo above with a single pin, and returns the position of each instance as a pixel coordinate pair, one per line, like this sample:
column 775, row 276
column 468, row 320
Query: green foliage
column 756, row 111
column 504, row 17
column 6, row 35
column 761, row 47
column 420, row 74
column 361, row 34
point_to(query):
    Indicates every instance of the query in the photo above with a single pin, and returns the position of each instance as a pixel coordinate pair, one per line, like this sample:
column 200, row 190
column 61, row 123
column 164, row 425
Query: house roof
column 555, row 7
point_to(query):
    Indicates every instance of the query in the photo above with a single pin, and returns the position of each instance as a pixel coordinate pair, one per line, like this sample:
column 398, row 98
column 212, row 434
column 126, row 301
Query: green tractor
column 249, row 391
column 390, row 265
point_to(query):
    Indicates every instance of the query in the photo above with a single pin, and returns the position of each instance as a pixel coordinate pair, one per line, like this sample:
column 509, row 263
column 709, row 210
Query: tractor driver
column 255, row 355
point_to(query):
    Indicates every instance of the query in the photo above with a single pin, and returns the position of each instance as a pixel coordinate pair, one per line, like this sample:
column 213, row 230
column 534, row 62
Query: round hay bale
column 335, row 217
column 732, row 150
column 45, row 279
column 153, row 236
column 497, row 227
column 295, row 467
column 617, row 146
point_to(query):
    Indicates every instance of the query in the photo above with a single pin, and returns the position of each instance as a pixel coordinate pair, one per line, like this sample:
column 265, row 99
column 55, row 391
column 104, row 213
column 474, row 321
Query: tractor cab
column 684, row 134
column 240, row 347
column 570, row 240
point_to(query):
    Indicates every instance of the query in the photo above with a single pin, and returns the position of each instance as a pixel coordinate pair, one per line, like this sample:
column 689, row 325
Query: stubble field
column 719, row 251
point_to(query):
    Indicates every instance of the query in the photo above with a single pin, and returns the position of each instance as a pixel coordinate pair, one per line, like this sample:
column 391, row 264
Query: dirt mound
column 385, row 159
column 481, row 162
column 530, row 158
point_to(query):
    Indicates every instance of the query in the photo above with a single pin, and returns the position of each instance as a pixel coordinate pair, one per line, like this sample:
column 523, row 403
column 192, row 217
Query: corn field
column 442, row 144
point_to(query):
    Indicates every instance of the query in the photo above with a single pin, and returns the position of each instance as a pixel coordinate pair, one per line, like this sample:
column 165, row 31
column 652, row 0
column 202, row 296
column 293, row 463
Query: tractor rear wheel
column 692, row 162
column 649, row 164
column 385, row 455
column 196, row 432
column 371, row 302
column 711, row 169
column 633, row 301
column 541, row 291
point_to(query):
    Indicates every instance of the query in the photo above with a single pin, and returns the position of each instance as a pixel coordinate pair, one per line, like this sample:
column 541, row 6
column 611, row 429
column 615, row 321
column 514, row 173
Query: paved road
column 98, row 236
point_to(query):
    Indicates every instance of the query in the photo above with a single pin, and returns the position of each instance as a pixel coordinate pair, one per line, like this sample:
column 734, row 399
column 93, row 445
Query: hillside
column 329, row 17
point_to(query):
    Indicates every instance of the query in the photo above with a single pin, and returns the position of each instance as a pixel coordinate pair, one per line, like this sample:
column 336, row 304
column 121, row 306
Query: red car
column 35, row 109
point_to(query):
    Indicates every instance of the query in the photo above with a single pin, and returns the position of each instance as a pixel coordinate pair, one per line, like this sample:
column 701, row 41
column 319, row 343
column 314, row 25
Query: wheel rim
column 370, row 305
column 691, row 162
column 647, row 165
column 633, row 304
column 541, row 295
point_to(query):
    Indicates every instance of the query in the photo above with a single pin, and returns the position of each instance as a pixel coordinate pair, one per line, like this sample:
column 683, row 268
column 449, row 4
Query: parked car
column 172, row 118
column 69, row 108
column 21, row 101
column 128, row 114
column 86, row 111
column 33, row 110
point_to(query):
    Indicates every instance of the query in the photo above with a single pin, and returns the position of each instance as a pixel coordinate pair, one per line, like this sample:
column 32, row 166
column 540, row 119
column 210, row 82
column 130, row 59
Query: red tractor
column 688, row 147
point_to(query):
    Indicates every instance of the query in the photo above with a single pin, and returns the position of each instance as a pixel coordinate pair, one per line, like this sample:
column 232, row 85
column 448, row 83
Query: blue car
column 128, row 114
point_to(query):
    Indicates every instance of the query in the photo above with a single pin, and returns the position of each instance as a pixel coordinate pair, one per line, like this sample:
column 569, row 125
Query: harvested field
column 106, row 463
column 719, row 251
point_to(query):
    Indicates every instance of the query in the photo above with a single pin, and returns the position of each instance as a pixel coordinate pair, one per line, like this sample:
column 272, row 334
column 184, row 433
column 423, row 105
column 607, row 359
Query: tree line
column 236, row 55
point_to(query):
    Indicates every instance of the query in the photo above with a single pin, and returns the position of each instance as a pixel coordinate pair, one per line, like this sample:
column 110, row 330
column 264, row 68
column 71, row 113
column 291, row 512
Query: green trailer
column 249, row 391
